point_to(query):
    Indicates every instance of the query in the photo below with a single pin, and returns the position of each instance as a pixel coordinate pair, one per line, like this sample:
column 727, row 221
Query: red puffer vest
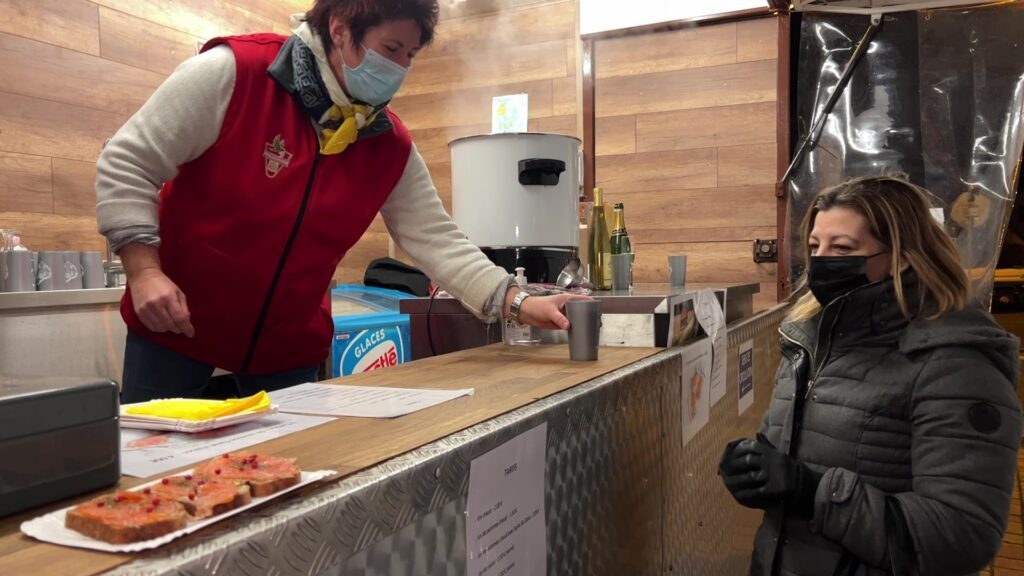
column 253, row 229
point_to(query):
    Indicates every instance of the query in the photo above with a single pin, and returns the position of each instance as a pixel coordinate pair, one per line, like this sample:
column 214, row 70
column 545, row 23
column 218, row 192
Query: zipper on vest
column 283, row 260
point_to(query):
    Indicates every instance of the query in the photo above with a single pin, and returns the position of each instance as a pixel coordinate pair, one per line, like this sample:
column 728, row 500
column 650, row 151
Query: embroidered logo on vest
column 276, row 157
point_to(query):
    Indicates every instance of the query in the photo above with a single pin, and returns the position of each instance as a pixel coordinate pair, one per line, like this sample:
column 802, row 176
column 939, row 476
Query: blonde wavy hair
column 897, row 214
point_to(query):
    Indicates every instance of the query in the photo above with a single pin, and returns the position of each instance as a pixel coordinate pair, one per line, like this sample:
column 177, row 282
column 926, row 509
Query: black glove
column 758, row 476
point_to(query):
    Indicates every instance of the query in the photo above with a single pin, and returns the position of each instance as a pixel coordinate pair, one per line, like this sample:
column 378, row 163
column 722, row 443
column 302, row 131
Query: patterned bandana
column 296, row 70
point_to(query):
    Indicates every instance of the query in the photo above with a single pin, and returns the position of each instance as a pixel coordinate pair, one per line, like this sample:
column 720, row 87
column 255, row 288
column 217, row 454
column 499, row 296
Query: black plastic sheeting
column 938, row 96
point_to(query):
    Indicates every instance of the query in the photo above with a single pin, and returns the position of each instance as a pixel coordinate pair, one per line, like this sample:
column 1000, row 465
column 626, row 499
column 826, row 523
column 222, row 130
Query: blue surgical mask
column 376, row 80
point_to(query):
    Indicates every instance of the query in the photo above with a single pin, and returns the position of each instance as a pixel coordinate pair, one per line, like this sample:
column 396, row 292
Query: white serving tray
column 50, row 527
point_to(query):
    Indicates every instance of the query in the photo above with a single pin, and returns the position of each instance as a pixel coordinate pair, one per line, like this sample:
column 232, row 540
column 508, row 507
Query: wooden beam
column 589, row 106
column 783, row 153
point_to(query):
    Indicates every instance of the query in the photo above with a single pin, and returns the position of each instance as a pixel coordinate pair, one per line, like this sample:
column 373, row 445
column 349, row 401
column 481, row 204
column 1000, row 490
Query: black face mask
column 829, row 277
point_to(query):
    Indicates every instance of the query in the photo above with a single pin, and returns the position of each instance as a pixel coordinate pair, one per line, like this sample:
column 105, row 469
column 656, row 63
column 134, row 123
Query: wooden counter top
column 505, row 378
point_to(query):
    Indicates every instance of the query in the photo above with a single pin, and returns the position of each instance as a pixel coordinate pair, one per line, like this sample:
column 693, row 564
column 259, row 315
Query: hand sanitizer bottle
column 517, row 334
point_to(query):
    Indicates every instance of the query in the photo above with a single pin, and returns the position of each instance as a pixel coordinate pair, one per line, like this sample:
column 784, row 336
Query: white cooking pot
column 517, row 190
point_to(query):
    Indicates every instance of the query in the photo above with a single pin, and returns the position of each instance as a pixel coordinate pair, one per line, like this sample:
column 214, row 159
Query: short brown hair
column 897, row 214
column 360, row 15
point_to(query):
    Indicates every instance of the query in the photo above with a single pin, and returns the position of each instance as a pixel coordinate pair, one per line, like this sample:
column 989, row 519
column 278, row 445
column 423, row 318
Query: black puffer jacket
column 916, row 427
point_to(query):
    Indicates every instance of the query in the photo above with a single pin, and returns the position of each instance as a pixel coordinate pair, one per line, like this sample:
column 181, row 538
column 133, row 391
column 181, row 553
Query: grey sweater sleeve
column 963, row 476
column 177, row 124
column 416, row 219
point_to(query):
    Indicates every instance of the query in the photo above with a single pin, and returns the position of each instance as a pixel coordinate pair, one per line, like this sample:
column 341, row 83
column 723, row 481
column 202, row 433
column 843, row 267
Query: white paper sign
column 712, row 319
column 145, row 453
column 745, row 381
column 506, row 534
column 694, row 387
column 360, row 401
column 510, row 113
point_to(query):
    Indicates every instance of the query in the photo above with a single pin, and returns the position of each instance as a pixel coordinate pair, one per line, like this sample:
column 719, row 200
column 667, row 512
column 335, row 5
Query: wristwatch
column 517, row 304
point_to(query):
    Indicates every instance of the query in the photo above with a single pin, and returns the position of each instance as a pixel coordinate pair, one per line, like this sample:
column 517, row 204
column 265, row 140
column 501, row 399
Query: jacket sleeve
column 966, row 432
column 417, row 221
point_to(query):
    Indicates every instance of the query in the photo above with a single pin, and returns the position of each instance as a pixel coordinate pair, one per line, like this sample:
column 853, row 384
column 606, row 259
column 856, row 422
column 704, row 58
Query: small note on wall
column 506, row 533
column 712, row 319
column 694, row 383
column 510, row 113
column 746, row 376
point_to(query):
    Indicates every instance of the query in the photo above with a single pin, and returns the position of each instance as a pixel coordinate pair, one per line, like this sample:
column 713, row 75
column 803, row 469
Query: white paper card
column 145, row 453
column 745, row 381
column 360, row 401
column 510, row 113
column 696, row 359
column 712, row 319
column 50, row 527
column 505, row 529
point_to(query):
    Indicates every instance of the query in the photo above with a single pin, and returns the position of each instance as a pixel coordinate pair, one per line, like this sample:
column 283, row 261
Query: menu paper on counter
column 145, row 453
column 360, row 401
column 696, row 359
column 746, row 376
column 712, row 319
column 506, row 534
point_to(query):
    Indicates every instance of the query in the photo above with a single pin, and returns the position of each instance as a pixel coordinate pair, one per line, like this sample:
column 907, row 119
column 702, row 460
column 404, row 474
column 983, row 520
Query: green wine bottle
column 620, row 238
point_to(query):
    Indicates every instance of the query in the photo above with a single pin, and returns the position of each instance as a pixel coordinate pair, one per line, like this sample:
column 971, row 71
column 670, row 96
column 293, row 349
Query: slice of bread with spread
column 125, row 517
column 263, row 474
column 202, row 497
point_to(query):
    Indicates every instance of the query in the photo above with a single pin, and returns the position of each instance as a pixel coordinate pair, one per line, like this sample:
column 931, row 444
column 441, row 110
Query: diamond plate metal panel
column 623, row 496
column 706, row 532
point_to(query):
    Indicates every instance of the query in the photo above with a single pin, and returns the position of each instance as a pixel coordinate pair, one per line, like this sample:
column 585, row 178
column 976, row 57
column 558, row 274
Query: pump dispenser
column 521, row 277
column 517, row 334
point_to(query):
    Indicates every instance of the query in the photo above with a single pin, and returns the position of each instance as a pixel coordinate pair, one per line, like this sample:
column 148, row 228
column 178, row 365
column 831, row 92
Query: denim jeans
column 152, row 371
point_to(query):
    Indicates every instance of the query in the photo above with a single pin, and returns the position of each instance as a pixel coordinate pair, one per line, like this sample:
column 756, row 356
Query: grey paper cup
column 21, row 275
column 622, row 271
column 677, row 270
column 585, row 328
column 70, row 277
column 92, row 270
column 49, row 267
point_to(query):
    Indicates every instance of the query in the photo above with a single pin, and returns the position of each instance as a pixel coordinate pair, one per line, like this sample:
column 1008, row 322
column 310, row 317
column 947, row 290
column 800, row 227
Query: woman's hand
column 547, row 312
column 158, row 302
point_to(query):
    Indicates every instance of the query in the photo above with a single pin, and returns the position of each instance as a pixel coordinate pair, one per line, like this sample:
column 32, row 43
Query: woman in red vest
column 234, row 192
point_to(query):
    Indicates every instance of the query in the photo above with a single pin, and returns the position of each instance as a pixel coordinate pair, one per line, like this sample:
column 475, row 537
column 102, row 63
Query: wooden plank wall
column 71, row 73
column 685, row 136
column 486, row 48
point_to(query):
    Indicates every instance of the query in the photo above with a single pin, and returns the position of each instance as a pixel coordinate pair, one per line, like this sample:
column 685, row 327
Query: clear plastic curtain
column 937, row 96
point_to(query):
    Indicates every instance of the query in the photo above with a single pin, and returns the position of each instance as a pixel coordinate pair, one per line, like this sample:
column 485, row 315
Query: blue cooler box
column 368, row 341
